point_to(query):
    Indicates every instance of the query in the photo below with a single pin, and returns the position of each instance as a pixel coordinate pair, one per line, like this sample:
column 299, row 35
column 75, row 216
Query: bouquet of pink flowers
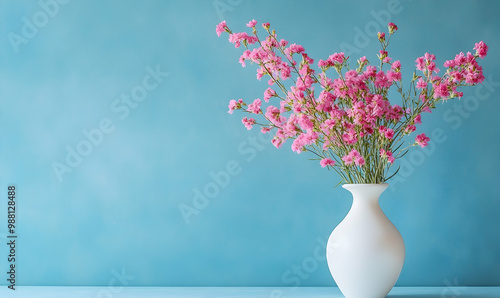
column 347, row 121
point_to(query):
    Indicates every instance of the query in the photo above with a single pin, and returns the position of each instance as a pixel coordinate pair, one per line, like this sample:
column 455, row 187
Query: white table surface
column 237, row 292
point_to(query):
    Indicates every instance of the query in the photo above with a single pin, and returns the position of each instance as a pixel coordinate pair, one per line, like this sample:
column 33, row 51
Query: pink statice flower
column 305, row 122
column 422, row 140
column 221, row 27
column 410, row 128
column 449, row 63
column 360, row 161
column 386, row 132
column 393, row 76
column 265, row 129
column 238, row 38
column 354, row 156
column 418, row 119
column 294, row 49
column 266, row 26
column 421, row 84
column 234, row 105
column 268, row 94
column 481, row 49
column 392, row 28
column 248, row 122
column 348, row 159
column 381, row 36
column 252, row 23
column 350, row 137
column 388, row 155
column 389, row 133
column 327, row 162
column 277, row 142
column 254, row 107
column 441, row 90
column 420, row 63
column 396, row 65
column 337, row 58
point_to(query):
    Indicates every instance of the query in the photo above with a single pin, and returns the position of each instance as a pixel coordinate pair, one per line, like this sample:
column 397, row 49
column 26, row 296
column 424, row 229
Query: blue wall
column 117, row 209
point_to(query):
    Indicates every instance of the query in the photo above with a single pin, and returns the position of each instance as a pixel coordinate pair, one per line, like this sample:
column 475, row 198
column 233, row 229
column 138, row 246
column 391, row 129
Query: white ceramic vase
column 365, row 252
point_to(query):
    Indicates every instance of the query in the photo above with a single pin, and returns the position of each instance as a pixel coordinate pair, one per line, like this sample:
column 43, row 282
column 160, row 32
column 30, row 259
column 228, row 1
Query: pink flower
column 421, row 84
column 221, row 28
column 396, row 65
column 381, row 36
column 381, row 80
column 265, row 129
column 427, row 109
column 441, row 91
column 370, row 71
column 429, row 57
column 389, row 133
column 422, row 140
column 294, row 48
column 457, row 76
column 305, row 122
column 237, row 38
column 299, row 143
column 244, row 56
column 310, row 137
column 418, row 119
column 350, row 137
column 277, row 142
column 234, row 105
column 392, row 28
column 449, row 63
column 460, row 59
column 273, row 114
column 359, row 161
column 390, row 157
column 337, row 57
column 410, row 128
column 268, row 94
column 355, row 157
column 327, row 162
column 348, row 159
column 254, row 107
column 323, row 63
column 252, row 23
column 481, row 49
column 266, row 25
column 393, row 76
column 387, row 154
column 248, row 122
column 420, row 63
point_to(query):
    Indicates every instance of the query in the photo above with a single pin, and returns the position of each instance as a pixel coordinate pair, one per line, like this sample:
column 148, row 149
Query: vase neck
column 366, row 192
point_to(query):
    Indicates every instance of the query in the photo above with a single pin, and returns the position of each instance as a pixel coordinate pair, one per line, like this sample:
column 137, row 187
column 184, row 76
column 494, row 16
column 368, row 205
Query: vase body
column 365, row 252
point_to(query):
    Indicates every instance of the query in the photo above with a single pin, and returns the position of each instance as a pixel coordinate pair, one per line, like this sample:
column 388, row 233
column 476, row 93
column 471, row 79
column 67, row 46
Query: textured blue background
column 119, row 207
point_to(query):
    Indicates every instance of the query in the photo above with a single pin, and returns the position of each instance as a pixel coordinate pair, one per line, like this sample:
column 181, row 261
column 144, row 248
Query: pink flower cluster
column 463, row 70
column 354, row 156
column 346, row 121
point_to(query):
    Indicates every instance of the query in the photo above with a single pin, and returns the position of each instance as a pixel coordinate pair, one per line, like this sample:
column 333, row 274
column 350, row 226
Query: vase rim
column 351, row 184
column 362, row 185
